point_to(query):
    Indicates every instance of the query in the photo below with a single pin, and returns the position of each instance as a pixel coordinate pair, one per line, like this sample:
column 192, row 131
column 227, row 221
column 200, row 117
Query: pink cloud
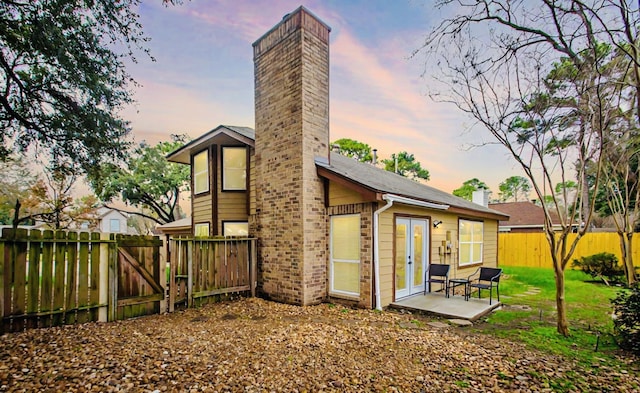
column 164, row 108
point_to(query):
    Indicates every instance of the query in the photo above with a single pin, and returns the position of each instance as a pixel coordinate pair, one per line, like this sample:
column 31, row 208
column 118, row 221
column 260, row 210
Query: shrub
column 603, row 265
column 626, row 320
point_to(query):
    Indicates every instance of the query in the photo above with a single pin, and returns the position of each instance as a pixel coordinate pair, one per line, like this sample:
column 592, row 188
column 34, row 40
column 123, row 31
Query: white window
column 201, row 172
column 345, row 254
column 471, row 235
column 234, row 168
column 202, row 229
column 235, row 228
column 114, row 225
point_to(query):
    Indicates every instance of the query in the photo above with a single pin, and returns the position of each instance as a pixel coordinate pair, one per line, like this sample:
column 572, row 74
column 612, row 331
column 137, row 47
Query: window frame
column 471, row 243
column 332, row 260
column 223, row 169
column 224, row 223
column 111, row 222
column 206, row 171
column 205, row 224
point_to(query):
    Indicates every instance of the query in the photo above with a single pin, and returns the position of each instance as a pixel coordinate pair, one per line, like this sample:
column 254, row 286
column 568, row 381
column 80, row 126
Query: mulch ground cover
column 253, row 345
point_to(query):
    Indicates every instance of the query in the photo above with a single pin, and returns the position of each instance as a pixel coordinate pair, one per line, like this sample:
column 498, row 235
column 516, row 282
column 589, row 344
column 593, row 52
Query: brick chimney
column 291, row 65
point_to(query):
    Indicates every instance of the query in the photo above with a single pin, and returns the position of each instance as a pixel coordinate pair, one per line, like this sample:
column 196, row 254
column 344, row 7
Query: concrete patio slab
column 449, row 307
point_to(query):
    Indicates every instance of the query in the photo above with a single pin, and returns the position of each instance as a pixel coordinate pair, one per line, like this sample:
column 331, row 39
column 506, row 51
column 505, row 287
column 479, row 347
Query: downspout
column 376, row 248
column 390, row 198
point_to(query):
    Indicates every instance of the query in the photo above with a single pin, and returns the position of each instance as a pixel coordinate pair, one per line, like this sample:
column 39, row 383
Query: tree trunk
column 563, row 323
column 585, row 206
column 628, row 260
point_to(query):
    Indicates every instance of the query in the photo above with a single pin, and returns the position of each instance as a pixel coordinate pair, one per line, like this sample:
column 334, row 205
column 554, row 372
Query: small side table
column 455, row 282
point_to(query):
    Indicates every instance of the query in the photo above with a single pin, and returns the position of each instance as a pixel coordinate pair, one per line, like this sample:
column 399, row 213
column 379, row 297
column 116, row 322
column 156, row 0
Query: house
column 329, row 228
column 111, row 221
column 524, row 217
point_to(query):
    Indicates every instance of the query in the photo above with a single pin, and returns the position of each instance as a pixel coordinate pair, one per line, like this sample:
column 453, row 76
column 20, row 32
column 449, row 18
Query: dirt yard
column 253, row 345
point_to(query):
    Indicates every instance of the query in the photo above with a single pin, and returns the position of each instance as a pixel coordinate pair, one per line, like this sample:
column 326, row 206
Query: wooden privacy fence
column 202, row 269
column 532, row 249
column 52, row 278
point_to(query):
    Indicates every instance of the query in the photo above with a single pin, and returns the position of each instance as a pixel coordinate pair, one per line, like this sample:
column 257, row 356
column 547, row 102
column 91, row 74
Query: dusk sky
column 203, row 77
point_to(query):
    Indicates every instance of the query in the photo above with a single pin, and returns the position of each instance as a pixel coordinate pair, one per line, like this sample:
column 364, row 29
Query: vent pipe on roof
column 374, row 160
column 481, row 197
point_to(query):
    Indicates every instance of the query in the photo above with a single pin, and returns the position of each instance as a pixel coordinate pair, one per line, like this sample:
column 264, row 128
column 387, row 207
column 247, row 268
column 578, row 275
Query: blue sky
column 203, row 77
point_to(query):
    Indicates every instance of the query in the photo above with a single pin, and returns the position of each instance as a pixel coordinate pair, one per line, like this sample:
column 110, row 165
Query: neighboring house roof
column 181, row 225
column 245, row 135
column 523, row 215
column 104, row 211
column 376, row 182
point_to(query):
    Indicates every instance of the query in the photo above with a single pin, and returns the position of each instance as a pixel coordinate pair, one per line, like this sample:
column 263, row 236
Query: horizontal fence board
column 221, row 291
column 140, row 300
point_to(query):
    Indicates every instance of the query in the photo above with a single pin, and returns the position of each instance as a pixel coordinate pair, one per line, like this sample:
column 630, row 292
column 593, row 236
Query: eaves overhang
column 183, row 154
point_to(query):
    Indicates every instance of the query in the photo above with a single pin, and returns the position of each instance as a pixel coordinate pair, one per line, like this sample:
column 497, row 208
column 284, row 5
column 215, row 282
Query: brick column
column 291, row 64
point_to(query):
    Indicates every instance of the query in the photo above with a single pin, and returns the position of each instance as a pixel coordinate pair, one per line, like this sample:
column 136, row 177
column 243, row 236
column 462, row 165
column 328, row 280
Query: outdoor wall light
column 436, row 223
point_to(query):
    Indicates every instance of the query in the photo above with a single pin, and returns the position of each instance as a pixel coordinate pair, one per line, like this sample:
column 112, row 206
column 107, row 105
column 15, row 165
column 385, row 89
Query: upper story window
column 201, row 172
column 234, row 168
column 471, row 242
column 114, row 225
column 235, row 228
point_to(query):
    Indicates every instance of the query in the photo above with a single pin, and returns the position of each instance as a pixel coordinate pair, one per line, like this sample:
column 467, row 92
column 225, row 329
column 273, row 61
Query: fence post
column 112, row 276
column 103, row 295
column 175, row 247
column 3, row 261
column 253, row 266
column 163, row 258
column 190, row 274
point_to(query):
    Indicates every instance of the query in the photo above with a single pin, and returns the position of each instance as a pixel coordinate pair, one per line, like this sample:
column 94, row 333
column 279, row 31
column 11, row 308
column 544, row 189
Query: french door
column 412, row 253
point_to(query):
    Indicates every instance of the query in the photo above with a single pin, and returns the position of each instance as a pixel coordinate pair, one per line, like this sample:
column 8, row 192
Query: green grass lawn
column 531, row 317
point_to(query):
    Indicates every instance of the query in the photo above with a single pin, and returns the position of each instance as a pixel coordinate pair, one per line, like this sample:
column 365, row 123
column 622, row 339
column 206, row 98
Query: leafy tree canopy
column 148, row 182
column 29, row 199
column 468, row 187
column 62, row 83
column 354, row 149
column 407, row 166
column 16, row 183
column 514, row 187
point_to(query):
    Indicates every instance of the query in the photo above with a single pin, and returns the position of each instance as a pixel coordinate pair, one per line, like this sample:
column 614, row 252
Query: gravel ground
column 253, row 345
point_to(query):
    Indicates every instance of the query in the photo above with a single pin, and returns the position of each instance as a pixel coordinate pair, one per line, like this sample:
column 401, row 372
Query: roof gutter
column 391, row 198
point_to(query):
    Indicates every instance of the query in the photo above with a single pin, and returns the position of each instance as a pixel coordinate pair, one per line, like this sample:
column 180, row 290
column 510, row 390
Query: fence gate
column 140, row 276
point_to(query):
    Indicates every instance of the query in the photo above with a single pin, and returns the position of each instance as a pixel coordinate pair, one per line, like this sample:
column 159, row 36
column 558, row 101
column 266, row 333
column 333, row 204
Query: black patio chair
column 487, row 278
column 439, row 274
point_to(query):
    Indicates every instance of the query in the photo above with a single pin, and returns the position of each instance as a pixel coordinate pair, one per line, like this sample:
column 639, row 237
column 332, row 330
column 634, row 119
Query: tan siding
column 490, row 244
column 339, row 195
column 202, row 209
column 232, row 207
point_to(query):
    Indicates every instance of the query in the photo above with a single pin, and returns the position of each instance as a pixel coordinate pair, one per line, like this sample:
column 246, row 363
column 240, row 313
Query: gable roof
column 225, row 134
column 374, row 182
column 523, row 214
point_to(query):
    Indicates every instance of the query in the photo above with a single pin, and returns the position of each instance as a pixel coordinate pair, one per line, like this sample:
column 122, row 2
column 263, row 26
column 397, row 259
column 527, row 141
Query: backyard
column 253, row 345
